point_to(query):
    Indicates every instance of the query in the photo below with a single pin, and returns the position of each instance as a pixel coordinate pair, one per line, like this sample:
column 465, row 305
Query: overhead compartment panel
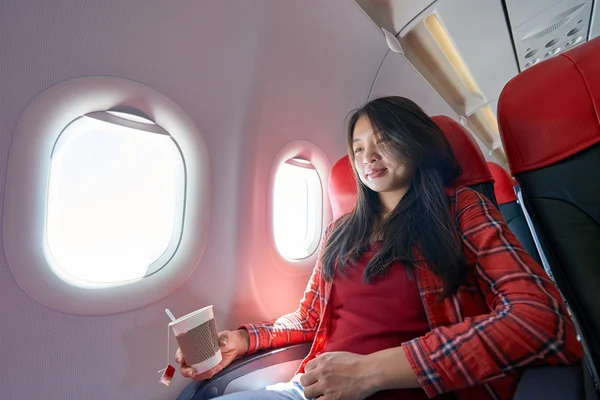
column 521, row 11
column 393, row 15
column 550, row 31
column 468, row 62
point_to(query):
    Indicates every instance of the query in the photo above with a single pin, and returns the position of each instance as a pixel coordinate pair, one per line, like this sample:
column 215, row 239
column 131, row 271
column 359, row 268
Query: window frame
column 28, row 174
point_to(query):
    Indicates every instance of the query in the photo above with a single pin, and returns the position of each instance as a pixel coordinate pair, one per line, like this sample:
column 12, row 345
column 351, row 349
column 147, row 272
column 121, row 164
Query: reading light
column 500, row 156
column 491, row 119
column 429, row 48
column 442, row 38
column 484, row 125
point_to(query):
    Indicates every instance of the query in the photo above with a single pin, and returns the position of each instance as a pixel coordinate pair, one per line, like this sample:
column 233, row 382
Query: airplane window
column 106, row 200
column 115, row 198
column 297, row 209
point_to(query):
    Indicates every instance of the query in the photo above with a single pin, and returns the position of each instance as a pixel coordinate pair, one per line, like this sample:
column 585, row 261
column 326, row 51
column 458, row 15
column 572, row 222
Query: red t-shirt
column 366, row 318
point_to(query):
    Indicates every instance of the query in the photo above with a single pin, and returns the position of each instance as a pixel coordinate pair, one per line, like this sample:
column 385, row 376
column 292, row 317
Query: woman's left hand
column 337, row 375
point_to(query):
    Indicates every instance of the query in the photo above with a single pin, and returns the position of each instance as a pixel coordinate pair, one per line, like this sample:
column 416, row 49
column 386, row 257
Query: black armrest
column 551, row 383
column 214, row 387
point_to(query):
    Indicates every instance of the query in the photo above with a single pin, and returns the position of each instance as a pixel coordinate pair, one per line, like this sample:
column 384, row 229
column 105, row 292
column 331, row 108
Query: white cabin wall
column 194, row 53
column 253, row 75
column 313, row 76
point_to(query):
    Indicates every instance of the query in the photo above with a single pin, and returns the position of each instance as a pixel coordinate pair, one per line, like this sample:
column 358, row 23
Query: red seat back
column 551, row 111
column 342, row 187
column 549, row 117
column 504, row 184
column 466, row 151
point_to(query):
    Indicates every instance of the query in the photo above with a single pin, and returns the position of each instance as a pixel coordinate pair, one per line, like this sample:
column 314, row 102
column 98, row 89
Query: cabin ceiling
column 476, row 26
column 494, row 40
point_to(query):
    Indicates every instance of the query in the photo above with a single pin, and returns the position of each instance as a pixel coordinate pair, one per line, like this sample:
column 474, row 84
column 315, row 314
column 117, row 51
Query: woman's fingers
column 179, row 357
column 187, row 371
column 208, row 374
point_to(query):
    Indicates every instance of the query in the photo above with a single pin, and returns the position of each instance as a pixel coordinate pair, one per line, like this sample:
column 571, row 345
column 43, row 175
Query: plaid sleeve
column 297, row 327
column 528, row 323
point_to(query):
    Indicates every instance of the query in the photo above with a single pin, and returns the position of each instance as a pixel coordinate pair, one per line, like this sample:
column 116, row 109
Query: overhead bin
column 393, row 15
column 463, row 48
column 484, row 125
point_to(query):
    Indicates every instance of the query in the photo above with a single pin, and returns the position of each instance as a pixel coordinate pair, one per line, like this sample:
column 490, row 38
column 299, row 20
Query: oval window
column 297, row 209
column 115, row 198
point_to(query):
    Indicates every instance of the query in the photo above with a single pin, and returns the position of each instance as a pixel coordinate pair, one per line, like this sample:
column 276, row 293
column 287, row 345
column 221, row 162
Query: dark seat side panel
column 513, row 215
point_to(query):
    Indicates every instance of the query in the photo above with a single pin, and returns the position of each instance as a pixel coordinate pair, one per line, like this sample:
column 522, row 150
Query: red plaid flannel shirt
column 509, row 315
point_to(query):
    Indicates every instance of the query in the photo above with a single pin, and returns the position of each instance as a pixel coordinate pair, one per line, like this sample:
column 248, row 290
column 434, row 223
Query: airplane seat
column 541, row 383
column 342, row 188
column 475, row 173
column 549, row 117
column 511, row 210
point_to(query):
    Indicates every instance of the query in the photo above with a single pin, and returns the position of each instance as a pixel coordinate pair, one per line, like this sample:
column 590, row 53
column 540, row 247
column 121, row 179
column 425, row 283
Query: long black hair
column 420, row 227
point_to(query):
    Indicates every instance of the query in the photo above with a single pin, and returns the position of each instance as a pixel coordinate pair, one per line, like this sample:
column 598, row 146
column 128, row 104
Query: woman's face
column 377, row 168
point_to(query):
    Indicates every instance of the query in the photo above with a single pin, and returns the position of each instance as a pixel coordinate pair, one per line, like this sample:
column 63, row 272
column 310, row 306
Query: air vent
column 531, row 53
column 575, row 41
column 532, row 62
column 552, row 52
column 574, row 31
column 555, row 23
column 552, row 32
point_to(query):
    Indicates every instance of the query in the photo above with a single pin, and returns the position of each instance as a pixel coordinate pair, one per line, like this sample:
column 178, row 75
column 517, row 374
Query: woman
column 420, row 291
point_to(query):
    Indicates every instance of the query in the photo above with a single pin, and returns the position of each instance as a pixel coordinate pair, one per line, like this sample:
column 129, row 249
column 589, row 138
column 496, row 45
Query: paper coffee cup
column 198, row 339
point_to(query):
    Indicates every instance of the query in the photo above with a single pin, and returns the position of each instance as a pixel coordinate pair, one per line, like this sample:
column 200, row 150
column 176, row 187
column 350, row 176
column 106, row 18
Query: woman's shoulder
column 466, row 200
column 464, row 196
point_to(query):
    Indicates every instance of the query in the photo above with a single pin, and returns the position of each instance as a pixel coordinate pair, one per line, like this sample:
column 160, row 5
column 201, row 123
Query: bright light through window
column 115, row 201
column 297, row 209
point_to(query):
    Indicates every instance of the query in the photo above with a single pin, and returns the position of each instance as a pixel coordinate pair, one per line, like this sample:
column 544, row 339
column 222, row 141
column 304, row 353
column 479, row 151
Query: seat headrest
column 342, row 182
column 466, row 151
column 552, row 110
column 503, row 188
column 342, row 187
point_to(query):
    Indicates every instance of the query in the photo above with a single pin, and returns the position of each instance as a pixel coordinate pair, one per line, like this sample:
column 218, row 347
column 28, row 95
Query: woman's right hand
column 233, row 344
